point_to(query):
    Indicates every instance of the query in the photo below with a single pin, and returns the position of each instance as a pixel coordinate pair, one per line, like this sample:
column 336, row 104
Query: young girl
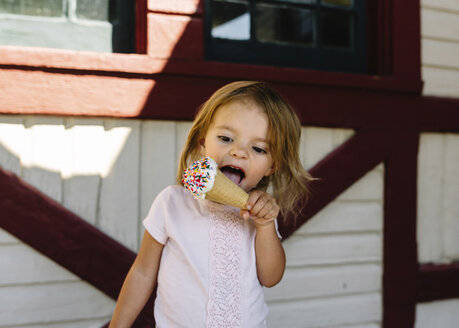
column 211, row 260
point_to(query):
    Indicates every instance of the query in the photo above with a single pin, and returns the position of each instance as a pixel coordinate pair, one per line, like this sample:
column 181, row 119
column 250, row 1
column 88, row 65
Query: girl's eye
column 225, row 138
column 259, row 150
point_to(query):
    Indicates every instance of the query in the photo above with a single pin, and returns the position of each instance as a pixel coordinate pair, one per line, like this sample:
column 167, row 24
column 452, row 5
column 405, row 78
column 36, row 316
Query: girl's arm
column 263, row 210
column 139, row 283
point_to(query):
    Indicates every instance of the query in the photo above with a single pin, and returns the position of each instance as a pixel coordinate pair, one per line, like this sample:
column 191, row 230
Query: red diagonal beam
column 339, row 170
column 62, row 236
column 438, row 282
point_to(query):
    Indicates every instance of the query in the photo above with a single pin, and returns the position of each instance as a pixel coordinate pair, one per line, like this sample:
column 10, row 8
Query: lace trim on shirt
column 224, row 308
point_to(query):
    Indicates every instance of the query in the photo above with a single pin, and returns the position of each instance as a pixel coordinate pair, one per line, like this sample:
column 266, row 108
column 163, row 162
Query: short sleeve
column 277, row 229
column 155, row 222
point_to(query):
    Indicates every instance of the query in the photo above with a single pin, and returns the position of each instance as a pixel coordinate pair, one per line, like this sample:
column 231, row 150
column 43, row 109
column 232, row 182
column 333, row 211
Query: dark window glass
column 279, row 24
column 319, row 34
column 231, row 20
column 336, row 29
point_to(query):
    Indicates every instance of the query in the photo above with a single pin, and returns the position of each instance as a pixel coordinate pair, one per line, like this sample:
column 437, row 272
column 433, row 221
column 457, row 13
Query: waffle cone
column 227, row 192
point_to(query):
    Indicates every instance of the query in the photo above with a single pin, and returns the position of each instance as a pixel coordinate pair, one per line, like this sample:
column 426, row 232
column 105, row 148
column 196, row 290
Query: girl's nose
column 238, row 152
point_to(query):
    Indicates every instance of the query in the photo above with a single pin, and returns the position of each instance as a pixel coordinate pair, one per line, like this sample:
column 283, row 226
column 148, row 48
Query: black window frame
column 251, row 51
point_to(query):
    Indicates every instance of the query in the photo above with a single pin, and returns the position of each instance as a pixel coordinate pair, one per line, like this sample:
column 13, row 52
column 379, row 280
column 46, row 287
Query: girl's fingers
column 262, row 205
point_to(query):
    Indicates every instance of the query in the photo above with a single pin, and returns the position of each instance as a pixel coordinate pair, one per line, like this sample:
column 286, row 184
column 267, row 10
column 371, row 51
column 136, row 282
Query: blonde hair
column 290, row 179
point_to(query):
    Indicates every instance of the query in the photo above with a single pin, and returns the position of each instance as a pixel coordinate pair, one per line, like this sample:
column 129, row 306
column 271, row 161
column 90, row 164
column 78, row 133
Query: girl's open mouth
column 235, row 174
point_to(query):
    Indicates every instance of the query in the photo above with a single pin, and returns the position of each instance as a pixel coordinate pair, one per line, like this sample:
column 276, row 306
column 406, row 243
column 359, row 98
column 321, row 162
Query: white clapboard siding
column 368, row 188
column 440, row 47
column 447, row 5
column 82, row 171
column 42, row 158
column 444, row 314
column 11, row 142
column 327, row 312
column 119, row 194
column 318, row 142
column 441, row 82
column 333, row 249
column 440, row 53
column 440, row 24
column 23, row 265
column 7, row 239
column 353, row 217
column 30, row 304
column 430, row 194
column 111, row 171
column 81, row 323
column 157, row 162
column 438, row 208
column 335, row 280
column 451, row 197
column 182, row 130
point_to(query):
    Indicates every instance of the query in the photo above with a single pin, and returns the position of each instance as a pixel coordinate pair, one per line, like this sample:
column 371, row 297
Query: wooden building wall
column 438, row 193
column 103, row 169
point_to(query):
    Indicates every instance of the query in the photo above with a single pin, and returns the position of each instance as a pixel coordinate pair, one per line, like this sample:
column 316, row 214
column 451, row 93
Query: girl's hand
column 261, row 208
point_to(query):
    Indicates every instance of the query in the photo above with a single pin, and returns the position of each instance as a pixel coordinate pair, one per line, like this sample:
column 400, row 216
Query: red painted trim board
column 400, row 248
column 438, row 282
column 63, row 237
column 338, row 171
column 141, row 26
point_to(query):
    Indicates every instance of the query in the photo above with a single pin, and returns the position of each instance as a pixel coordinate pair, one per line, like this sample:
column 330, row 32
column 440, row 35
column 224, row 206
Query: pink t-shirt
column 207, row 275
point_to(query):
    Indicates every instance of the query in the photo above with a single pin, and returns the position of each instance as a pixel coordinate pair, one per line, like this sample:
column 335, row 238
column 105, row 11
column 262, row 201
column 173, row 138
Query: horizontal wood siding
column 440, row 47
column 444, row 314
column 438, row 206
column 335, row 259
column 108, row 171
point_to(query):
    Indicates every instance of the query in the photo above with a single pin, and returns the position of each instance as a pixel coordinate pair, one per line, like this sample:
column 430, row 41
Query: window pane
column 297, row 1
column 93, row 9
column 230, row 20
column 32, row 7
column 340, row 3
column 280, row 24
column 336, row 28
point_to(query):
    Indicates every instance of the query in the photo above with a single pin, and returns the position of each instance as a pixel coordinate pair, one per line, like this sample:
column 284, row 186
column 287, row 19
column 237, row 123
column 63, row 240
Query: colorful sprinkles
column 199, row 177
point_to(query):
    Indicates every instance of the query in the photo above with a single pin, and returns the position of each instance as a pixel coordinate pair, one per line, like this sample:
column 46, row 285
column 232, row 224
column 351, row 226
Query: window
column 93, row 25
column 317, row 34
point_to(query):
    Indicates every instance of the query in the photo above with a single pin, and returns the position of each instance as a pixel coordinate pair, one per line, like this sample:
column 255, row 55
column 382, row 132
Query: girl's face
column 237, row 139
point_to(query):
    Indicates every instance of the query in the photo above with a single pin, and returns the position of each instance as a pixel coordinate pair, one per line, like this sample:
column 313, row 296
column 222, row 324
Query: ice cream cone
column 227, row 192
column 203, row 179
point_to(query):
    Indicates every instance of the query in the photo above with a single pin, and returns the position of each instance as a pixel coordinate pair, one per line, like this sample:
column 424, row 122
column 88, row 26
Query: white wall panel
column 119, row 194
column 440, row 53
column 438, row 206
column 441, row 314
column 342, row 217
column 447, row 5
column 327, row 312
column 335, row 280
column 42, row 158
column 368, row 188
column 333, row 249
column 157, row 162
column 441, row 82
column 440, row 24
column 30, row 304
column 82, row 172
column 24, row 265
column 451, row 197
column 12, row 136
